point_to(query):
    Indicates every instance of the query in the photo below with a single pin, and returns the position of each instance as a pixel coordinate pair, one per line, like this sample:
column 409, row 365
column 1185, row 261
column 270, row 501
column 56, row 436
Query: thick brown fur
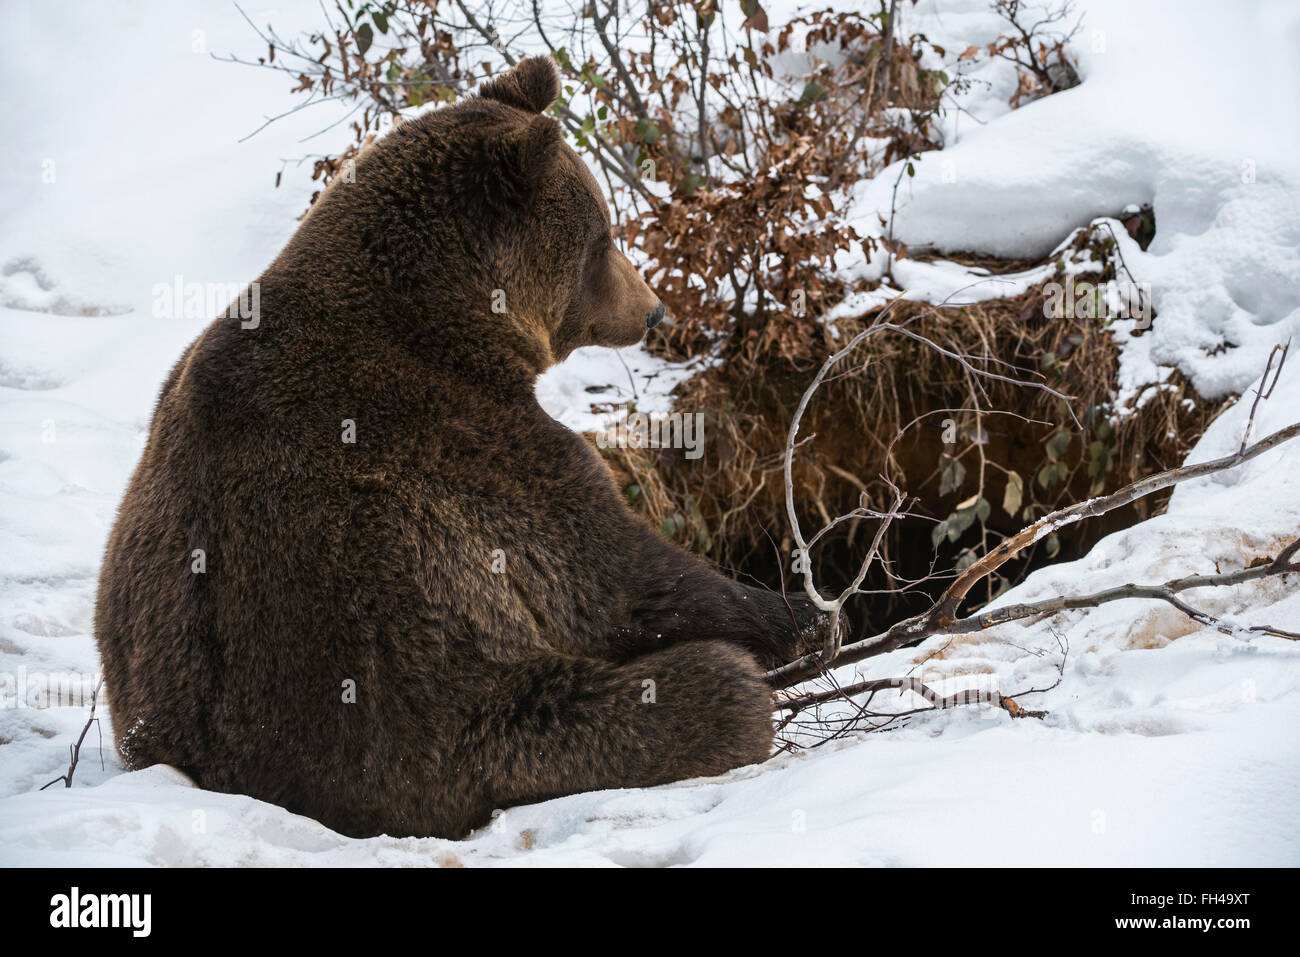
column 512, row 630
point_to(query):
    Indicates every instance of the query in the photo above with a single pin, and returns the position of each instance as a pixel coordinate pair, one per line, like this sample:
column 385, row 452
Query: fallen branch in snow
column 937, row 703
column 863, row 719
column 1284, row 563
column 942, row 617
column 75, row 749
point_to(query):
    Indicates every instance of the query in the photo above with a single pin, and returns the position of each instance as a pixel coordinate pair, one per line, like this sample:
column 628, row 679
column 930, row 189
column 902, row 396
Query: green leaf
column 812, row 92
column 672, row 525
column 381, row 21
column 953, row 474
column 959, row 521
column 365, row 36
column 648, row 132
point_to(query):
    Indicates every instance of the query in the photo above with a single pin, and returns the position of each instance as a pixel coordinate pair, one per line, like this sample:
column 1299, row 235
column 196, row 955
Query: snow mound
column 1189, row 113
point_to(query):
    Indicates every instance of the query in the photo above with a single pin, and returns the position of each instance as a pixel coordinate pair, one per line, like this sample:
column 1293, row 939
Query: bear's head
column 522, row 172
column 476, row 230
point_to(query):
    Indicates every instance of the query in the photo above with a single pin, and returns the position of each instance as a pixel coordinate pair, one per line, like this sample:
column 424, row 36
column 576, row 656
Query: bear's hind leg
column 559, row 725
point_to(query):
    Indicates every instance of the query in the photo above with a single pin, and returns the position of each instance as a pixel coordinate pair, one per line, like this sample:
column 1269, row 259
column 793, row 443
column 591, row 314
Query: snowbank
column 1190, row 110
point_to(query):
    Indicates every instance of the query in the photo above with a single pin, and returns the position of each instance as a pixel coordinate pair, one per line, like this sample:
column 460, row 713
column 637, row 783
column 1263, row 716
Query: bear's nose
column 653, row 319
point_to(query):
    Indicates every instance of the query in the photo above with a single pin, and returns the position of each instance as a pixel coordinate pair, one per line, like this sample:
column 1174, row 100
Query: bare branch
column 941, row 617
column 834, row 606
column 75, row 749
column 1265, row 388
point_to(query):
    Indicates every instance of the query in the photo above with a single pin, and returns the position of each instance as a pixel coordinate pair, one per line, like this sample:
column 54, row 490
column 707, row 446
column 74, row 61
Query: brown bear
column 360, row 573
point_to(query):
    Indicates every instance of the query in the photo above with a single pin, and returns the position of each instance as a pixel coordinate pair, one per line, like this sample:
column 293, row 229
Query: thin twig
column 75, row 749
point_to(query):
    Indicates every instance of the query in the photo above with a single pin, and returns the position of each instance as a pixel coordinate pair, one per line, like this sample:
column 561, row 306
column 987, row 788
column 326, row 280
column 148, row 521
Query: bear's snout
column 653, row 319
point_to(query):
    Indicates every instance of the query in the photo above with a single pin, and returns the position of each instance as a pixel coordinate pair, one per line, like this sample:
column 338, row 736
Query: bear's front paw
column 812, row 636
column 805, row 628
column 790, row 627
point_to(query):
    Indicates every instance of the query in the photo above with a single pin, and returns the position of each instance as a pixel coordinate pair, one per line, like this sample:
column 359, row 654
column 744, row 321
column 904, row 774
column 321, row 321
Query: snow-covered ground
column 1166, row 743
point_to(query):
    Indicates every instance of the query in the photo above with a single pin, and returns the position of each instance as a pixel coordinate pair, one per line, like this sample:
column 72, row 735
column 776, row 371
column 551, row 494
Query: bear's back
column 283, row 599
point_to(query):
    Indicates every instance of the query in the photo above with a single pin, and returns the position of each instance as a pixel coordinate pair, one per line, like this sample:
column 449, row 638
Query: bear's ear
column 516, row 162
column 532, row 85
